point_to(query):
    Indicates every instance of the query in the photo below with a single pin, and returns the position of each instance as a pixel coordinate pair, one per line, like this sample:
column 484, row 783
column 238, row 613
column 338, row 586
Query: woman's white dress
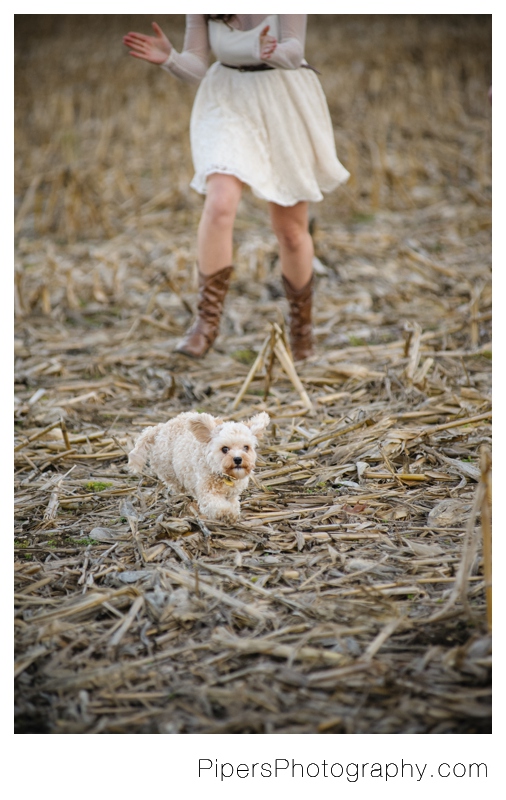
column 272, row 128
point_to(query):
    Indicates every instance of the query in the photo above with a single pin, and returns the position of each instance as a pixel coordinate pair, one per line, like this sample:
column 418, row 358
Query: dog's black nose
column 237, row 460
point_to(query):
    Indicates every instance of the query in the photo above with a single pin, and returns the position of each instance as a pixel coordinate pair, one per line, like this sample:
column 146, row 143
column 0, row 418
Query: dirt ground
column 353, row 595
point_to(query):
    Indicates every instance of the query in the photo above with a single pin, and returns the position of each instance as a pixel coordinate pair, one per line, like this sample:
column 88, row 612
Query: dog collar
column 228, row 479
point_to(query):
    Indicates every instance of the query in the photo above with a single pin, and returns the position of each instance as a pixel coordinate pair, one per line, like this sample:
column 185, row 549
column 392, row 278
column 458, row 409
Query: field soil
column 354, row 594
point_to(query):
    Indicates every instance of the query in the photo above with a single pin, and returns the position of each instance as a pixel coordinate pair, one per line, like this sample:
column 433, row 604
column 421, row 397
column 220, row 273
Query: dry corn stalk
column 274, row 346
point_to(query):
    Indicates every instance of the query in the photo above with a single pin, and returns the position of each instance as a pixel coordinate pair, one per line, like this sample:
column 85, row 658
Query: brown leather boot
column 212, row 290
column 301, row 329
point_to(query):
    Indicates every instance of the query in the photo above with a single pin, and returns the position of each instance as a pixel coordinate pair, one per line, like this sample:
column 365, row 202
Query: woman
column 260, row 118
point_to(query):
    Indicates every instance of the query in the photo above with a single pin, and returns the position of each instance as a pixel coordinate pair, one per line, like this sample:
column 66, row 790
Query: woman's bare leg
column 291, row 226
column 215, row 233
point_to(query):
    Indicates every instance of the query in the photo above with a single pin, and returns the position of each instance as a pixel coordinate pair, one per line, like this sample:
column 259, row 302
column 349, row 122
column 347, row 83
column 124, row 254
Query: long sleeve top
column 237, row 42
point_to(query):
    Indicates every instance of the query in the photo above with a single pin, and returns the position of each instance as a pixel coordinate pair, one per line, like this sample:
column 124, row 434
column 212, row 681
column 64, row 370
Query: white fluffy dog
column 203, row 456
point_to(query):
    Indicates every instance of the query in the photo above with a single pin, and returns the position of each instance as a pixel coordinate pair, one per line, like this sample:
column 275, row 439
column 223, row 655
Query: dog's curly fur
column 199, row 454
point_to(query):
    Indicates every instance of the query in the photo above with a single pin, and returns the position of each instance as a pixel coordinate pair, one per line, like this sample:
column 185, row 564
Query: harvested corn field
column 354, row 594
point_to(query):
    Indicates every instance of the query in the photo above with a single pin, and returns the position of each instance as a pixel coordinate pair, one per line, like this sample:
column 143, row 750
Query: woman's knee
column 291, row 234
column 290, row 225
column 222, row 199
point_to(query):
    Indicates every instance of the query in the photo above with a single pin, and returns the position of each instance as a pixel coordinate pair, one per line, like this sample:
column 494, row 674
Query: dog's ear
column 202, row 427
column 258, row 423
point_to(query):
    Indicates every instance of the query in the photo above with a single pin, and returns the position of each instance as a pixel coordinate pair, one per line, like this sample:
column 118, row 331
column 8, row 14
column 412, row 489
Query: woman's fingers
column 137, row 50
column 134, row 43
column 158, row 30
column 135, row 38
column 269, row 44
column 142, row 37
column 134, row 35
column 154, row 49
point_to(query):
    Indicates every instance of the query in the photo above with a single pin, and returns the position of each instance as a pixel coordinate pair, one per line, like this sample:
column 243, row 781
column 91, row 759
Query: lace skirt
column 270, row 129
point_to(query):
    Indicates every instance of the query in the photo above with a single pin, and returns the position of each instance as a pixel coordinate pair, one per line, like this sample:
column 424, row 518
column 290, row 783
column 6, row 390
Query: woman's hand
column 267, row 43
column 154, row 49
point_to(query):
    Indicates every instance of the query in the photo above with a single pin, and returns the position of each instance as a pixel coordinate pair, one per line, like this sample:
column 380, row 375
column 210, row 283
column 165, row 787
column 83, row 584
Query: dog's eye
column 246, row 447
column 225, row 449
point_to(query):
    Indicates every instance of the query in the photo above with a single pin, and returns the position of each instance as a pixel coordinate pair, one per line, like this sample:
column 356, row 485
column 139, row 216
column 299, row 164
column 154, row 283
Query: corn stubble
column 354, row 596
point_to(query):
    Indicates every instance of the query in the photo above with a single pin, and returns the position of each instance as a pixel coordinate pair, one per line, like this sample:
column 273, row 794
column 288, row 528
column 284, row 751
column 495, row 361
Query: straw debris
column 354, row 595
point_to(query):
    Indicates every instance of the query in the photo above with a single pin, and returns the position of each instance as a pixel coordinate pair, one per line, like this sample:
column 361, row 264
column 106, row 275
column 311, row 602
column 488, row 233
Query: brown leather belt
column 248, row 67
column 261, row 67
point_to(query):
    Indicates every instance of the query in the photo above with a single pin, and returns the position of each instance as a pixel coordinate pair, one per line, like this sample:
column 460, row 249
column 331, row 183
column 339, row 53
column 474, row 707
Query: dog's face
column 230, row 445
